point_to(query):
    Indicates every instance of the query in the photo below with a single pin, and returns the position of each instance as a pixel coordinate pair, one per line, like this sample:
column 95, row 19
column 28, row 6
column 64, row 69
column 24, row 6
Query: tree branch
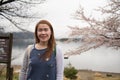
column 5, row 2
column 15, row 24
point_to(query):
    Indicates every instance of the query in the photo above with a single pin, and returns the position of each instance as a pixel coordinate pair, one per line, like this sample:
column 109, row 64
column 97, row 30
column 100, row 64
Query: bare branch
column 2, row 2
column 18, row 9
column 14, row 23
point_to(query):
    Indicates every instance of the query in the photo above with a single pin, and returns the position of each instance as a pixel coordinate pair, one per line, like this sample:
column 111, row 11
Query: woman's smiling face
column 43, row 32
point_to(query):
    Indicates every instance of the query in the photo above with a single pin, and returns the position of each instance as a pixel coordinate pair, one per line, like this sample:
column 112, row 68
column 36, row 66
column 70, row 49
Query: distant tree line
column 23, row 35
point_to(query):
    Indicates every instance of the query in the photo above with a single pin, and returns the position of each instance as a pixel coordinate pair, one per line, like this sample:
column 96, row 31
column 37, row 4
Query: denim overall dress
column 40, row 69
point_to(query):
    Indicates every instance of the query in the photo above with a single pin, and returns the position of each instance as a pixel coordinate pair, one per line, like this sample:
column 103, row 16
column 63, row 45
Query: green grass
column 15, row 76
column 3, row 76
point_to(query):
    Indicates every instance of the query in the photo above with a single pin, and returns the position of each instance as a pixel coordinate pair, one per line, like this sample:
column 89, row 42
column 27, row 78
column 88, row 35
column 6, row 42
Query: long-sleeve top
column 26, row 61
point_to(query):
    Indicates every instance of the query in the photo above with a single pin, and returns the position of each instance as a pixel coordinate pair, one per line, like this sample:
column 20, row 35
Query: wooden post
column 11, row 74
column 6, row 50
column 9, row 61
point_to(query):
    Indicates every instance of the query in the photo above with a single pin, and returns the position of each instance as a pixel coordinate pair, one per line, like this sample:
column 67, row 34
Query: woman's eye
column 39, row 30
column 45, row 29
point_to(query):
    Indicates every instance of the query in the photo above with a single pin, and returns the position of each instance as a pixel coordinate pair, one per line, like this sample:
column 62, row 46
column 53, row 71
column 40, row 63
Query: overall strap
column 55, row 50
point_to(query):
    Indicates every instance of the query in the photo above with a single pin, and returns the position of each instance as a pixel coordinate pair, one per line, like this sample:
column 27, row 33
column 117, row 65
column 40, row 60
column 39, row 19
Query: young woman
column 43, row 60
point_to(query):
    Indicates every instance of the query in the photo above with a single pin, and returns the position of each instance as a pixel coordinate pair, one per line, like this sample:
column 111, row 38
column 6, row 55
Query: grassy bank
column 82, row 75
column 3, row 77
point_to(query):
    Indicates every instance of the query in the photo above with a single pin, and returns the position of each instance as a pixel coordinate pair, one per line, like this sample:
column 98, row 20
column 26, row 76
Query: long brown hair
column 51, row 43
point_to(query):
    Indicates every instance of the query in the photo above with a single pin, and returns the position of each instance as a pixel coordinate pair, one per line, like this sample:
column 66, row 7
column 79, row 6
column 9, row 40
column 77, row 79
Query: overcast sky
column 60, row 14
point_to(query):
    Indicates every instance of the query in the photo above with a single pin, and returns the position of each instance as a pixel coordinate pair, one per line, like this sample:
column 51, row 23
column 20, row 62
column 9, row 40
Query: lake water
column 100, row 59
